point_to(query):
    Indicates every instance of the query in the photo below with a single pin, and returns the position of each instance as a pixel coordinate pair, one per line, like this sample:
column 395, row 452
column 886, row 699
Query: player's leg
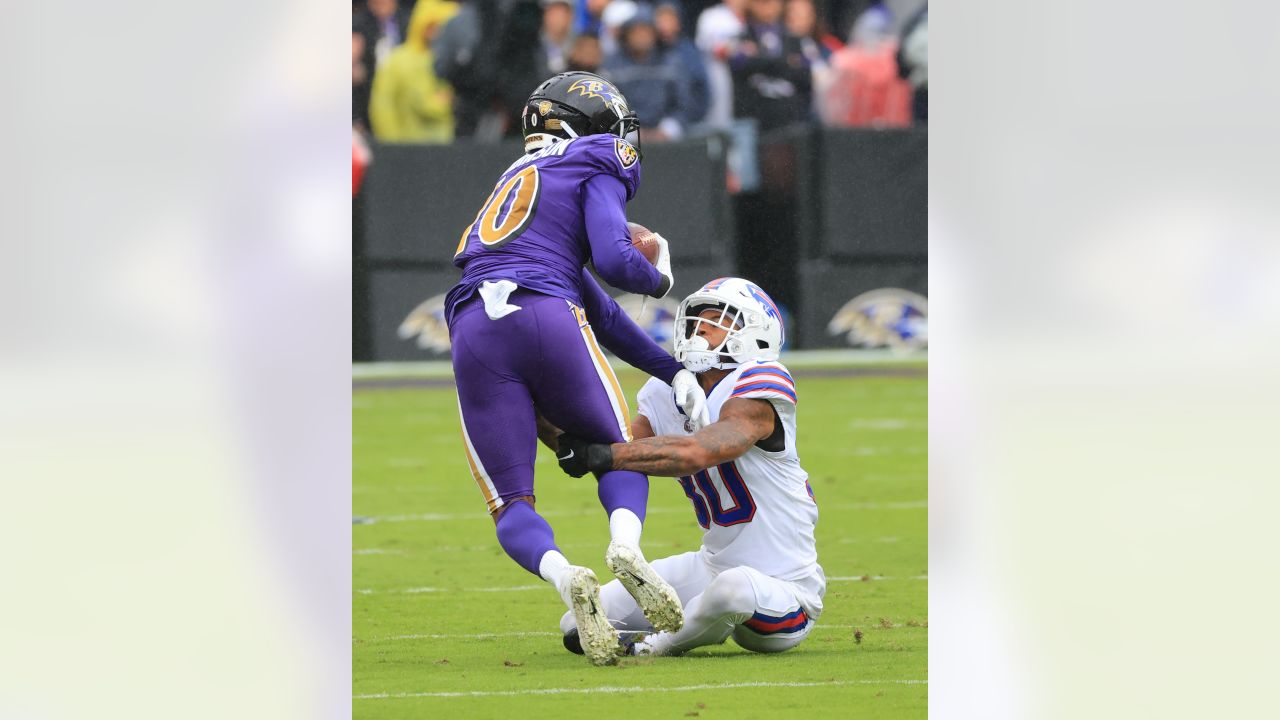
column 499, row 432
column 686, row 573
column 762, row 614
column 584, row 397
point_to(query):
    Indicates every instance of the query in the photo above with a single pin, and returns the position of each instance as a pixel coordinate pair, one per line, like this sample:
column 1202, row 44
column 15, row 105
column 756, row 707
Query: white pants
column 762, row 613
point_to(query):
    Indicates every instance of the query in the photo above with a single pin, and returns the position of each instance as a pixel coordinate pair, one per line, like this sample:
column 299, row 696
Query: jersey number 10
column 508, row 211
column 711, row 509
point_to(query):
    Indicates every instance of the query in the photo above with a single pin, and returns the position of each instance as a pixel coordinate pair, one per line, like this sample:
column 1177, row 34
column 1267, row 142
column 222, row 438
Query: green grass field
column 446, row 626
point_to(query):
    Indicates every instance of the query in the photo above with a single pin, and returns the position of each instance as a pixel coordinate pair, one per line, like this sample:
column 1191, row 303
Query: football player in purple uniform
column 527, row 322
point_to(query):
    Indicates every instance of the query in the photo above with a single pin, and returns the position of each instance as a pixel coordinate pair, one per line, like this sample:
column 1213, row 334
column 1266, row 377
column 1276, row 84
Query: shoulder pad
column 611, row 155
column 767, row 380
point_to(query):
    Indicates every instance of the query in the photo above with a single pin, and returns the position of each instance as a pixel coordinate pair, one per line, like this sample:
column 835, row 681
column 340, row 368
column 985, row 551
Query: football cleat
column 655, row 596
column 627, row 643
column 596, row 637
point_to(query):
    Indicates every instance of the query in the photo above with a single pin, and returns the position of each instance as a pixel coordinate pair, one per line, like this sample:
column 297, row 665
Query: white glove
column 691, row 399
column 663, row 264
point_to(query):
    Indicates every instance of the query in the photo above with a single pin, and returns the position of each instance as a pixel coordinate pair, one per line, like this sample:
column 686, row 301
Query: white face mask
column 698, row 357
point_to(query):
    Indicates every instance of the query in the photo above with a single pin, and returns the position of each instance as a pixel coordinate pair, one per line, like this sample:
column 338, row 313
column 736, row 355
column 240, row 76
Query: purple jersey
column 553, row 211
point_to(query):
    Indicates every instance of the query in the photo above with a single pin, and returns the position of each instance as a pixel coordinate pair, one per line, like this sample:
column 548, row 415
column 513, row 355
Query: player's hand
column 572, row 454
column 663, row 264
column 691, row 398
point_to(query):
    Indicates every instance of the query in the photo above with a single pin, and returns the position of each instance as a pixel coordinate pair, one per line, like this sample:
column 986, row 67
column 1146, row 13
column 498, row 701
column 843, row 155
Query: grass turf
column 428, row 575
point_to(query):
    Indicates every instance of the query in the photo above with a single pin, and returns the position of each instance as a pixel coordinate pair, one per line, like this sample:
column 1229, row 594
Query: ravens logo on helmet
column 576, row 104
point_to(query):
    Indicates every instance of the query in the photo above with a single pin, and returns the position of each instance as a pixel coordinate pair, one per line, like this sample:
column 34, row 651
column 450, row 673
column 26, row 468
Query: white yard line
column 868, row 578
column 438, row 517
column 608, row 689
column 526, row 588
column 465, row 636
column 794, row 359
column 415, row 590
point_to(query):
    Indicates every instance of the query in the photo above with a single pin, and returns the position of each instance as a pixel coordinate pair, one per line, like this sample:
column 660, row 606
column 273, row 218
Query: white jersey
column 758, row 510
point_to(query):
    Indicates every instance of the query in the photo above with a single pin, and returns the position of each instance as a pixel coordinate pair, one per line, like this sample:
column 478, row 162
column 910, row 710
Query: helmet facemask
column 693, row 350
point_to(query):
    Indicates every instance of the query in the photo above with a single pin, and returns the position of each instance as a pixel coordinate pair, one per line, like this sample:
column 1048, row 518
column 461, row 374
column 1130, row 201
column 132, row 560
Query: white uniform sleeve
column 766, row 381
column 648, row 402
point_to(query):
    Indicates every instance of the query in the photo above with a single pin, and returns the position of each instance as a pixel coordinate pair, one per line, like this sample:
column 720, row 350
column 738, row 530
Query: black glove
column 578, row 457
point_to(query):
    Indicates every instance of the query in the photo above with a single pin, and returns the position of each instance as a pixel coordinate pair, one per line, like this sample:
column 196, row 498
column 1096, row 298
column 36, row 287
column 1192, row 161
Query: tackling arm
column 743, row 422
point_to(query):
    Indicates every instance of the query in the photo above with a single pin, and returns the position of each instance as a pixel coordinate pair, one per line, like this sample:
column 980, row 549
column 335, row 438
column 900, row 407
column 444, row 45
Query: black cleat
column 573, row 643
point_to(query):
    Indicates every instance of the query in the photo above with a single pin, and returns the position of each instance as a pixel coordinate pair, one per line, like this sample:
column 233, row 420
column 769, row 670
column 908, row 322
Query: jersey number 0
column 507, row 212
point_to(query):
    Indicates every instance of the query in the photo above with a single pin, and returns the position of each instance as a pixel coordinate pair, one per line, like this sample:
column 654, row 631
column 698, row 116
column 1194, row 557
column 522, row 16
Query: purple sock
column 525, row 535
column 624, row 489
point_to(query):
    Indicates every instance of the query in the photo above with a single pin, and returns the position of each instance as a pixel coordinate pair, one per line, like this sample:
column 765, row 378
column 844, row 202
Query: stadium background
column 820, row 197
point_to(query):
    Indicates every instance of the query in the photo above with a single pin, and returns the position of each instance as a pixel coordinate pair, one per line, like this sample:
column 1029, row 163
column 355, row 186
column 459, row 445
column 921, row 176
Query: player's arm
column 743, row 423
column 621, row 336
column 604, row 198
column 550, row 434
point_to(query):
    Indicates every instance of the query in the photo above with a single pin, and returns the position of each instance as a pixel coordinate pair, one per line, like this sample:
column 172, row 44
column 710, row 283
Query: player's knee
column 731, row 592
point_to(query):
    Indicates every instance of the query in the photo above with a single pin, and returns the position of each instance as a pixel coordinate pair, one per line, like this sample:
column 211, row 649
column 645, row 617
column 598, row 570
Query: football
column 644, row 240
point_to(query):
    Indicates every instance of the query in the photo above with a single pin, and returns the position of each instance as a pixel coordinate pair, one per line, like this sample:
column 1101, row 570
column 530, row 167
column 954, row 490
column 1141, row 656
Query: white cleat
column 655, row 596
column 599, row 639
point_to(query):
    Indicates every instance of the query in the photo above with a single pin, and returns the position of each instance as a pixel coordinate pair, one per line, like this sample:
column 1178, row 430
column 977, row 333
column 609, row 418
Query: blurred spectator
column 359, row 82
column 587, row 19
column 801, row 20
column 913, row 63
column 585, row 54
column 866, row 90
column 384, row 24
column 685, row 54
column 490, row 54
column 655, row 87
column 771, row 76
column 557, row 34
column 615, row 15
column 409, row 102
column 718, row 30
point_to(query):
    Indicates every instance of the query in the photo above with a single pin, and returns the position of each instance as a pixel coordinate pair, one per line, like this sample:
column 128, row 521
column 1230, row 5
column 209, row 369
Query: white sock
column 552, row 568
column 625, row 527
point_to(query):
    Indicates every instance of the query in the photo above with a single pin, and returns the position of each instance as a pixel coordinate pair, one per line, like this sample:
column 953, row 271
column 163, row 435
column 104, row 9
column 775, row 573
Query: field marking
column 415, row 590
column 438, row 517
column 526, row 588
column 464, row 636
column 376, row 551
column 610, row 689
column 546, row 633
column 867, row 578
column 792, row 359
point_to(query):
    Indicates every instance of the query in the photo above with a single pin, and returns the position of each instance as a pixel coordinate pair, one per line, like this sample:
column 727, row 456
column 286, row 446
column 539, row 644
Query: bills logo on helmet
column 889, row 317
column 626, row 152
column 427, row 323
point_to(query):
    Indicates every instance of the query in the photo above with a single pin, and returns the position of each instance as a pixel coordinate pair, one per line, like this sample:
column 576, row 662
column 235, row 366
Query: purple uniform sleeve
column 621, row 336
column 617, row 261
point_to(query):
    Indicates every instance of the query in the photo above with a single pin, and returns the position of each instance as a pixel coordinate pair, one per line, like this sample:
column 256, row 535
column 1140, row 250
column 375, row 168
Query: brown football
column 644, row 240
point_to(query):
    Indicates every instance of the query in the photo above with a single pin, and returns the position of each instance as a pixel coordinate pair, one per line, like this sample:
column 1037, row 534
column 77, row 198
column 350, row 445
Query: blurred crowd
column 433, row 70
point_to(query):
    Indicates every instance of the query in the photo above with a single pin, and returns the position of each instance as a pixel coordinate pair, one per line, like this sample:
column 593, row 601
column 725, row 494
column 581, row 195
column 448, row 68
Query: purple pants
column 543, row 356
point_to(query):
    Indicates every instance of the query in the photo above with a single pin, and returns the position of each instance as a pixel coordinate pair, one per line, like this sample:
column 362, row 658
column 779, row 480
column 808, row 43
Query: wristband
column 599, row 458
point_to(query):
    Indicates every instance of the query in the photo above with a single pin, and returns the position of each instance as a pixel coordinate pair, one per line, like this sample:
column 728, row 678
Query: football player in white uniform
column 756, row 576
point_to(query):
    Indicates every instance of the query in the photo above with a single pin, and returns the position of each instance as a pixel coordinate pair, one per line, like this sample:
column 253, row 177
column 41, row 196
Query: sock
column 552, row 569
column 625, row 527
column 624, row 489
column 525, row 536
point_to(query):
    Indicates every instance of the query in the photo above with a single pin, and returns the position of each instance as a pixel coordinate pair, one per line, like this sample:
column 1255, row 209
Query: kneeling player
column 756, row 576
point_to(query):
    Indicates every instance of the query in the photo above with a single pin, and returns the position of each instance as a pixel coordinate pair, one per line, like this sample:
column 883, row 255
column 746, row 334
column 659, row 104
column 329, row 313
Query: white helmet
column 750, row 317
